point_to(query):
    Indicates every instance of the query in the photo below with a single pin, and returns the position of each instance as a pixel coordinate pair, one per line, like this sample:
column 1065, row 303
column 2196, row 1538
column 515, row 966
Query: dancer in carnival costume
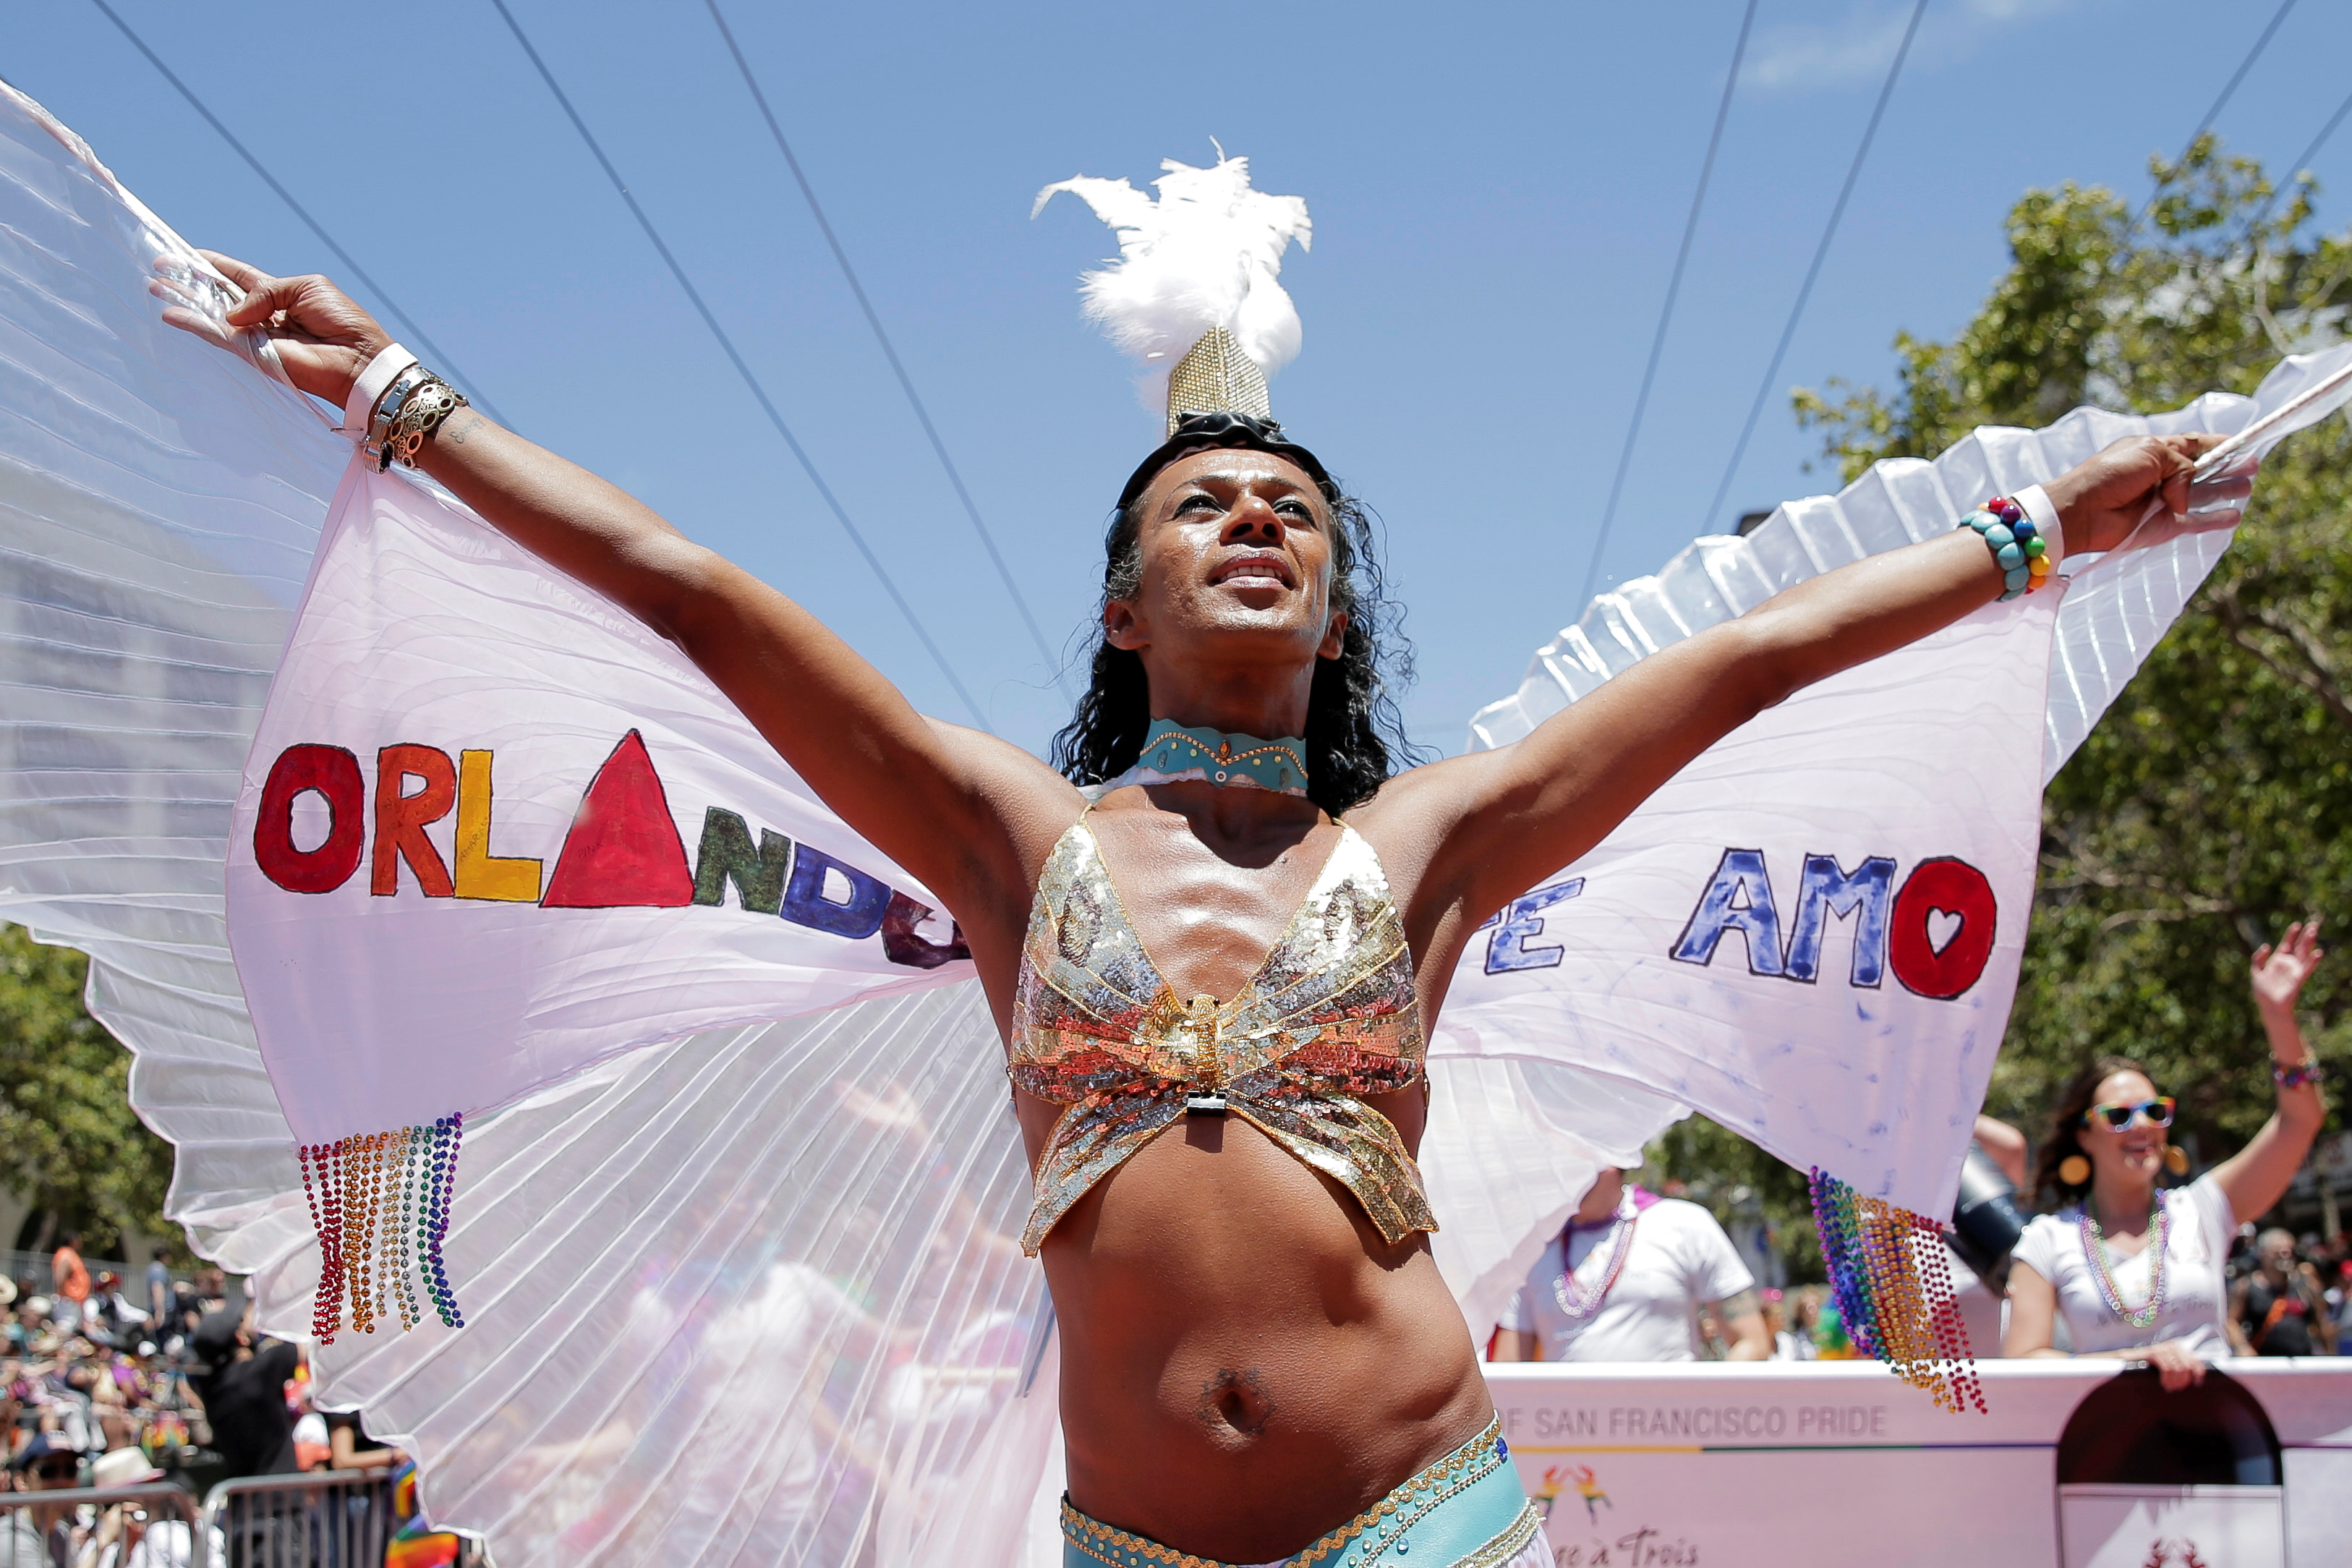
column 739, row 1230
column 1214, row 941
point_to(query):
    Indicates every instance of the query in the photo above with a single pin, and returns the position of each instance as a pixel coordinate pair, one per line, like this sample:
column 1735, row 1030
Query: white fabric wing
column 1821, row 773
column 753, row 1294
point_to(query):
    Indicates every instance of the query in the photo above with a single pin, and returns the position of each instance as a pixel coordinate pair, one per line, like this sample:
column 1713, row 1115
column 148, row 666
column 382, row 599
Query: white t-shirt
column 1678, row 1258
column 2196, row 1290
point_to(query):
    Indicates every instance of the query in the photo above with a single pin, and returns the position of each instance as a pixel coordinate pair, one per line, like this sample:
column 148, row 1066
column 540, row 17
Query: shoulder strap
column 2269, row 1319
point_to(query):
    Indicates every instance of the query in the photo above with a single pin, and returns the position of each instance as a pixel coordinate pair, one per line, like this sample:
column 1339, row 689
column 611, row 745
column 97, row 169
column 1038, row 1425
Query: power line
column 2303, row 161
column 415, row 333
column 695, row 295
column 1869, row 132
column 889, row 352
column 2214, row 113
column 1666, row 312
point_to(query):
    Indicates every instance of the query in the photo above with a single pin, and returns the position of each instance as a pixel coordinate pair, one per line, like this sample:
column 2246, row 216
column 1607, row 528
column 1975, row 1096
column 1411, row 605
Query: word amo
column 621, row 851
column 1934, row 933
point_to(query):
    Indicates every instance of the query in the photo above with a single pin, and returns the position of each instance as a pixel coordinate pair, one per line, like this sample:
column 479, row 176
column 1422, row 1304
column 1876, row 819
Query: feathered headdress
column 1193, row 293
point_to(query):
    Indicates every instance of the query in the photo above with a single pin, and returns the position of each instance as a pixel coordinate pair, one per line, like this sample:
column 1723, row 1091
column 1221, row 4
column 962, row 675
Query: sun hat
column 122, row 1467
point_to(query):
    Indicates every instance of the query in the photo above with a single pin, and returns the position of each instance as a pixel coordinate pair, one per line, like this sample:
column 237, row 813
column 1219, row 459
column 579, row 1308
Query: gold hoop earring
column 2073, row 1170
column 2176, row 1159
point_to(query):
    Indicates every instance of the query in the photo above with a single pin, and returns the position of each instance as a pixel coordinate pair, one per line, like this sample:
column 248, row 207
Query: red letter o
column 1953, row 887
column 334, row 773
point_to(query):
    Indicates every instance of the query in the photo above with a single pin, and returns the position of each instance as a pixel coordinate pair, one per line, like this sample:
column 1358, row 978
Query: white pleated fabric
column 756, row 1297
column 158, row 506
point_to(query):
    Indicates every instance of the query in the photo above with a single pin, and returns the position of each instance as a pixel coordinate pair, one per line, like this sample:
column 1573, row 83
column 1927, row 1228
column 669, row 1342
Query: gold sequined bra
column 1330, row 1017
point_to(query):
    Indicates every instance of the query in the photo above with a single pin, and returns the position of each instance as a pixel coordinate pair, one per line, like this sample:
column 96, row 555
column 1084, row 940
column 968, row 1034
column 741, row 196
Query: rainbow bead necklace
column 2094, row 1247
column 1572, row 1297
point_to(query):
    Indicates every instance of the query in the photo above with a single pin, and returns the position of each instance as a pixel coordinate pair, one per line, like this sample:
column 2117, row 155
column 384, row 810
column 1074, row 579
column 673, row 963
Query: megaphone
column 1986, row 1219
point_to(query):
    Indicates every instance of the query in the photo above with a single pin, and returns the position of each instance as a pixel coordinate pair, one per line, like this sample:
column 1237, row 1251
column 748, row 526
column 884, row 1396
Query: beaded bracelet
column 2301, row 1073
column 2018, row 547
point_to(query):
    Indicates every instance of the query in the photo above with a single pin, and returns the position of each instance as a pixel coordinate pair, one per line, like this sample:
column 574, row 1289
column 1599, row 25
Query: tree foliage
column 69, row 1143
column 2209, row 807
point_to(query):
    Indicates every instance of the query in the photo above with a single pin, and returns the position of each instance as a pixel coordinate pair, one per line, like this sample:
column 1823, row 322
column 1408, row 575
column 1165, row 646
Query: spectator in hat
column 127, row 1535
column 242, row 1385
column 41, row 1536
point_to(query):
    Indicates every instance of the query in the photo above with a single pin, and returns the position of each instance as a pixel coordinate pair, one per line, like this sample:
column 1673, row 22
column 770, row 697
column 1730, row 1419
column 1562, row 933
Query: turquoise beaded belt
column 1467, row 1510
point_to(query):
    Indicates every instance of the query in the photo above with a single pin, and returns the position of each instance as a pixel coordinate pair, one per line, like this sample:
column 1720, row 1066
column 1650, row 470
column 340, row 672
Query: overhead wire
column 409, row 328
column 2301, row 162
column 2221, row 101
column 889, row 350
column 1828, row 233
column 1666, row 310
column 759, row 392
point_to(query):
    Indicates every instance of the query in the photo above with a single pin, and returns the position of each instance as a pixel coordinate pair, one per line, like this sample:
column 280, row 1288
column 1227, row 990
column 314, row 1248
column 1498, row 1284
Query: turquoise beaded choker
column 1173, row 754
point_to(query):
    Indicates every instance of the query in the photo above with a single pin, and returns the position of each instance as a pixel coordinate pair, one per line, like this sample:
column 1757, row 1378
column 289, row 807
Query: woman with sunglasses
column 2137, row 1272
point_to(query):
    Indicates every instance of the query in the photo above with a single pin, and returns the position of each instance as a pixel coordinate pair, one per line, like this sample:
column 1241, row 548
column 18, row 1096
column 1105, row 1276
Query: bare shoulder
column 1411, row 814
column 1033, row 804
column 1414, row 824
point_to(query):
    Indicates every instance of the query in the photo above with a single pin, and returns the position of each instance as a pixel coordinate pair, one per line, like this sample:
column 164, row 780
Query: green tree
column 69, row 1146
column 2210, row 806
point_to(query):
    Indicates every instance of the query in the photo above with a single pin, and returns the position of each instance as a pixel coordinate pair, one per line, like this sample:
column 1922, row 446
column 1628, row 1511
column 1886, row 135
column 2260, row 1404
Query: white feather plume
column 1207, row 253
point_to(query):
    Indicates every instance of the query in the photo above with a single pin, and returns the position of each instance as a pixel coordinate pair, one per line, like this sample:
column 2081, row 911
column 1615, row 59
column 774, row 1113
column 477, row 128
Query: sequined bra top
column 1330, row 1017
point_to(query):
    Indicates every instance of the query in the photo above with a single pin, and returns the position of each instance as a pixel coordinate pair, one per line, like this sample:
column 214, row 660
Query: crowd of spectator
column 88, row 1369
column 99, row 1390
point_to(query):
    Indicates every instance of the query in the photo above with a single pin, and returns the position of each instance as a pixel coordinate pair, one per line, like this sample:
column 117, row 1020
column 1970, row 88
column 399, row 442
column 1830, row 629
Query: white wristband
column 389, row 361
column 2035, row 502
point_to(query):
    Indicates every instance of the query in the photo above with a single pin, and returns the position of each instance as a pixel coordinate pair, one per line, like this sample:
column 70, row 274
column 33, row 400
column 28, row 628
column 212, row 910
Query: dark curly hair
column 1355, row 736
column 2066, row 1125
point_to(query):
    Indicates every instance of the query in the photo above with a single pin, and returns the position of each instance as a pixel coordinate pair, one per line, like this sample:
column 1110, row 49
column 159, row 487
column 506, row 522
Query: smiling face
column 1236, row 553
column 2137, row 1151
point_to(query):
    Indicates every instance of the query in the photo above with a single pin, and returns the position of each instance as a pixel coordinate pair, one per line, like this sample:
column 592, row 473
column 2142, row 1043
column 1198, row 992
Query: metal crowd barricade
column 320, row 1518
column 160, row 1501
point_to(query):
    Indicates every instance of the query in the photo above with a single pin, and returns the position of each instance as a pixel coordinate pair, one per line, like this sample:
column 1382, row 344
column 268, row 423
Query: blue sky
column 1497, row 193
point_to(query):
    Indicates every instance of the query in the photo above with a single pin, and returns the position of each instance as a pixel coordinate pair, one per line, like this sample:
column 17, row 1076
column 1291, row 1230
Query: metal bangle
column 420, row 413
column 387, row 408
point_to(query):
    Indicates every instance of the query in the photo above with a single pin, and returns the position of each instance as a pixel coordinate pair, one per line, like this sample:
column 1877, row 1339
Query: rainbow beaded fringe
column 380, row 1203
column 1893, row 1284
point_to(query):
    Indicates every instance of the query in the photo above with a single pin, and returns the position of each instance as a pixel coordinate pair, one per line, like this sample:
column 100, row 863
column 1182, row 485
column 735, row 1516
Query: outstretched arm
column 949, row 804
column 1503, row 820
column 2256, row 1176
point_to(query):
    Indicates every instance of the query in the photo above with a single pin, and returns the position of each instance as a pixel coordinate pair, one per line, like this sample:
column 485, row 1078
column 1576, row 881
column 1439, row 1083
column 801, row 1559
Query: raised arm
column 1503, row 820
column 952, row 805
column 2256, row 1176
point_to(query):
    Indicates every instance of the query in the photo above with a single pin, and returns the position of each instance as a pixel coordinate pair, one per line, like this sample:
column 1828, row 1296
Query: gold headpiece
column 1216, row 377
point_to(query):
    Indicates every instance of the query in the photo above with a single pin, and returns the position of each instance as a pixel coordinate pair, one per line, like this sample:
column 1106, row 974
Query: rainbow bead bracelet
column 2018, row 547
